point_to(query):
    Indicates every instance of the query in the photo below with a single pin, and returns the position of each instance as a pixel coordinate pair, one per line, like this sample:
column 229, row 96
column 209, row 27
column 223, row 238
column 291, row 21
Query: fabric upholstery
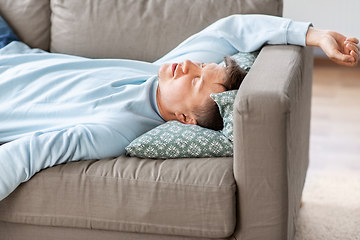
column 16, row 231
column 30, row 20
column 271, row 129
column 186, row 197
column 6, row 34
column 117, row 29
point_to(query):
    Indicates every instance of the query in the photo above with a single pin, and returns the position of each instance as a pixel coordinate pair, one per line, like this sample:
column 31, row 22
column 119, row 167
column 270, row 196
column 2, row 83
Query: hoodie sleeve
column 244, row 33
column 22, row 158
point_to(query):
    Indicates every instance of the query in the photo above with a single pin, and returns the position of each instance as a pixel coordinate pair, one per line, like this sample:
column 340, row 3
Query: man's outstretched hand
column 337, row 47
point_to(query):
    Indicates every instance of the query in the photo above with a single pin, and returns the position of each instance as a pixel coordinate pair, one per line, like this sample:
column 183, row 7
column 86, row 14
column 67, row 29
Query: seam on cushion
column 102, row 220
column 129, row 179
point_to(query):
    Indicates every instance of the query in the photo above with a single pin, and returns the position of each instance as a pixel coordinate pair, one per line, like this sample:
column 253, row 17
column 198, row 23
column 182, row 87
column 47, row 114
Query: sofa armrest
column 271, row 142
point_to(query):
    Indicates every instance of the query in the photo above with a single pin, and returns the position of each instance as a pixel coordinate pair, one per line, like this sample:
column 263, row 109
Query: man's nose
column 189, row 66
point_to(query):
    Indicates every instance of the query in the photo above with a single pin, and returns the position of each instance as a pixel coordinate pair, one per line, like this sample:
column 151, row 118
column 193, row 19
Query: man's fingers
column 353, row 48
column 352, row 39
column 354, row 54
column 343, row 59
column 350, row 64
column 349, row 60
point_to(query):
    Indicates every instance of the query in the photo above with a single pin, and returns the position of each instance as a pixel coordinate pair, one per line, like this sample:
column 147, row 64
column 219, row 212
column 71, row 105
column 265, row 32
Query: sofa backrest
column 131, row 29
column 30, row 20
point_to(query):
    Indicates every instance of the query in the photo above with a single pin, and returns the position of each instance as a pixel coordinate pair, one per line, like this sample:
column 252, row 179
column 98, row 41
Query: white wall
column 339, row 15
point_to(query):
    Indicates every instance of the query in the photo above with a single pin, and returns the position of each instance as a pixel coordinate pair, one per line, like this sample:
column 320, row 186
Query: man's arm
column 245, row 33
column 248, row 33
column 337, row 47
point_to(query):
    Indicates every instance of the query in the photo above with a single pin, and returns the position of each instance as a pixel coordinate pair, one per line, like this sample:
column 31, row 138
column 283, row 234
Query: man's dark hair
column 208, row 116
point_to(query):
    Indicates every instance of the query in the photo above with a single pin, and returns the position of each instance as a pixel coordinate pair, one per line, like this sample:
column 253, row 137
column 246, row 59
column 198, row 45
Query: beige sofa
column 254, row 195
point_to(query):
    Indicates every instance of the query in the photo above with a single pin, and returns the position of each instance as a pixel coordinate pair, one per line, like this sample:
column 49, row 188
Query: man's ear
column 185, row 119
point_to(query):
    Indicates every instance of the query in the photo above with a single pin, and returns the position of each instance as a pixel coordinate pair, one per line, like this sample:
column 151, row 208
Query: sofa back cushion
column 30, row 20
column 133, row 29
column 139, row 29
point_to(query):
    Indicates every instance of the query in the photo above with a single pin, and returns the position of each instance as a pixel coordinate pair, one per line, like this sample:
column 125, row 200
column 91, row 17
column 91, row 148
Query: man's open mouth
column 174, row 68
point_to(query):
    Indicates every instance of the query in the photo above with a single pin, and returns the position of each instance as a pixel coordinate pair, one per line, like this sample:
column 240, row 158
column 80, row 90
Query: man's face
column 185, row 86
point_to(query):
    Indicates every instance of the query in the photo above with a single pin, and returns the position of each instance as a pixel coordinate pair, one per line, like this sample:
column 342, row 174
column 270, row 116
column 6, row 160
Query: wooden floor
column 335, row 120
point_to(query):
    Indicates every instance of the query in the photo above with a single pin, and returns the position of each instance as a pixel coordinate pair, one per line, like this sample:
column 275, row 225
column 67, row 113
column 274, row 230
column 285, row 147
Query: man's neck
column 166, row 115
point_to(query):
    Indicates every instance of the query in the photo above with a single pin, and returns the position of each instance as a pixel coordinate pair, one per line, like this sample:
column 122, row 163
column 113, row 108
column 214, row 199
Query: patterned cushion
column 245, row 60
column 225, row 102
column 177, row 140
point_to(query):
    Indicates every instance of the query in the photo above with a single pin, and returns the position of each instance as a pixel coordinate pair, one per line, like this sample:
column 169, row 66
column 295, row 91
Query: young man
column 58, row 108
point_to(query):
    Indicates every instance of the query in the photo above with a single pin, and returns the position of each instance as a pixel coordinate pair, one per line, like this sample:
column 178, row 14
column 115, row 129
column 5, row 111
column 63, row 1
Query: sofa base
column 15, row 231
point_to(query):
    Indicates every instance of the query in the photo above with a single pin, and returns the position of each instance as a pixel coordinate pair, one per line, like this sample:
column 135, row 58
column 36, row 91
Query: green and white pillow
column 225, row 102
column 245, row 60
column 177, row 140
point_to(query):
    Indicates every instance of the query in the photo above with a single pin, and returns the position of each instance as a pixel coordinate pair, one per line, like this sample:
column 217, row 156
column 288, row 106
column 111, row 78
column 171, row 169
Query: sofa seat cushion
column 188, row 197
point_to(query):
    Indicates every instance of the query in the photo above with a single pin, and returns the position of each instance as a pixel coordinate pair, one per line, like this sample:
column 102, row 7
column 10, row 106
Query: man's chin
column 162, row 72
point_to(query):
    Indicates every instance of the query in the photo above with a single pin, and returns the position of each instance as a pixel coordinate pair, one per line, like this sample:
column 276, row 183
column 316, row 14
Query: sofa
column 255, row 194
